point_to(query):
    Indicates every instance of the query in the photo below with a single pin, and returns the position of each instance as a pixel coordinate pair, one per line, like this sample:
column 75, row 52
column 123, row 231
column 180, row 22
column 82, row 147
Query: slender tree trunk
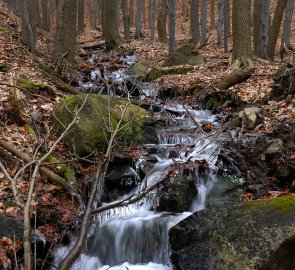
column 204, row 22
column 287, row 24
column 126, row 20
column 212, row 16
column 131, row 12
column 93, row 13
column 65, row 33
column 80, row 24
column 256, row 25
column 153, row 19
column 149, row 17
column 28, row 29
column 220, row 22
column 138, row 20
column 226, row 24
column 45, row 16
column 242, row 56
column 264, row 28
column 118, row 13
column 195, row 21
column 162, row 21
column 172, row 23
column 275, row 29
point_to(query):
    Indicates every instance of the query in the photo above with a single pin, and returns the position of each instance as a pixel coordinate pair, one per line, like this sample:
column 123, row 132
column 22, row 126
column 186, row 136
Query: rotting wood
column 234, row 78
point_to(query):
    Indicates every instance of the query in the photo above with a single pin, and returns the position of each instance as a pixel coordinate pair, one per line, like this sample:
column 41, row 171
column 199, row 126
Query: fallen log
column 234, row 78
column 61, row 84
column 99, row 45
column 52, row 177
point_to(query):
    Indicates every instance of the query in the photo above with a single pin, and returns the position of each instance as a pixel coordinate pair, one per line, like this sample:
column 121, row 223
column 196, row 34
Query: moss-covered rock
column 158, row 72
column 233, row 237
column 98, row 115
column 186, row 55
column 140, row 69
column 177, row 194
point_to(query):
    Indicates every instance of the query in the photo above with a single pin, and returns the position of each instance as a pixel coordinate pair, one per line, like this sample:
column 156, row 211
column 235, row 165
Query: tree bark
column 45, row 16
column 256, row 25
column 28, row 28
column 275, row 29
column 153, row 19
column 220, row 22
column 287, row 24
column 226, row 24
column 204, row 22
column 161, row 22
column 138, row 19
column 172, row 23
column 195, row 21
column 81, row 14
column 242, row 56
column 264, row 28
column 212, row 14
column 126, row 20
column 65, row 39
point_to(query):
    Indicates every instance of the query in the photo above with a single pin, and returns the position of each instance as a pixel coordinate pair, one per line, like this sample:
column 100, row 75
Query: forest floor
column 20, row 110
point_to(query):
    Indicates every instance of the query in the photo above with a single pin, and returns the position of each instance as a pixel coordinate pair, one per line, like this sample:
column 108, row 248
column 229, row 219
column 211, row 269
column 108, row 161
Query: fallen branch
column 127, row 201
column 61, row 84
column 234, row 78
column 99, row 45
column 52, row 177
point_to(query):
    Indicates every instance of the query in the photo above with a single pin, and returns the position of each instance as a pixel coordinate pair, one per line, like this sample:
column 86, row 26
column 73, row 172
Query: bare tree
column 287, row 24
column 226, row 24
column 153, row 18
column 204, row 22
column 263, row 30
column 162, row 21
column 80, row 24
column 28, row 28
column 220, row 22
column 275, row 29
column 195, row 21
column 126, row 20
column 138, row 19
column 172, row 23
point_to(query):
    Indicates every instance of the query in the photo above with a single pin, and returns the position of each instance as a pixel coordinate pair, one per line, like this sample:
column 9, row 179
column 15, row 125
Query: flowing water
column 134, row 236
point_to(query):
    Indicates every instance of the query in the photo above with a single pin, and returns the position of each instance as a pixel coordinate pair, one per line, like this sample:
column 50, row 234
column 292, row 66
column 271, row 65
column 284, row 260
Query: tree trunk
column 242, row 54
column 93, row 13
column 28, row 29
column 275, row 29
column 172, row 15
column 65, row 39
column 111, row 32
column 80, row 28
column 45, row 16
column 287, row 24
column 220, row 22
column 226, row 24
column 256, row 25
column 212, row 16
column 126, row 20
column 153, row 19
column 138, row 19
column 204, row 22
column 161, row 22
column 131, row 12
column 264, row 28
column 195, row 21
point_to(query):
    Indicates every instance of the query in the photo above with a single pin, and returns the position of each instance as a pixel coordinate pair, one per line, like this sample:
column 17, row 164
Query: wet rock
column 275, row 147
column 177, row 194
column 233, row 237
column 122, row 178
column 88, row 135
column 186, row 55
column 250, row 116
column 139, row 69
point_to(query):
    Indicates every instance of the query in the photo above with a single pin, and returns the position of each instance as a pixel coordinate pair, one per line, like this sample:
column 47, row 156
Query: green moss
column 3, row 68
column 70, row 102
column 25, row 83
column 67, row 169
column 281, row 204
column 281, row 71
column 31, row 130
column 4, row 28
column 190, row 90
column 157, row 72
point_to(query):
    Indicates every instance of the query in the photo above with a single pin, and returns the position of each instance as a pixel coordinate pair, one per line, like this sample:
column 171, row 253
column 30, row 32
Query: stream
column 136, row 236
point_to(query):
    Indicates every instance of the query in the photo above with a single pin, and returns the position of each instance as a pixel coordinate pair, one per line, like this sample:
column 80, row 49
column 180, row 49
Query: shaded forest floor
column 22, row 110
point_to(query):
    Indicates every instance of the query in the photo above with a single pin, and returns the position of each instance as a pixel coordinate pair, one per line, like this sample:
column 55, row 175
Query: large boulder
column 88, row 135
column 188, row 54
column 237, row 237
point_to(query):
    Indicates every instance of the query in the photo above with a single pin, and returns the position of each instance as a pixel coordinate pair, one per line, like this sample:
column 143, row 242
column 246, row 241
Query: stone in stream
column 88, row 134
column 239, row 237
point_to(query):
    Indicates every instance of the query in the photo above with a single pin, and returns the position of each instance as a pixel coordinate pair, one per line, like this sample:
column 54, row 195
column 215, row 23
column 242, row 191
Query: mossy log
column 234, row 78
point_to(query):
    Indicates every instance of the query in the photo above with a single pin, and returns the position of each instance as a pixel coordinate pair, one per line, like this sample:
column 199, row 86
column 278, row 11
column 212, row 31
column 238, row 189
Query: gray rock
column 237, row 237
column 275, row 147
